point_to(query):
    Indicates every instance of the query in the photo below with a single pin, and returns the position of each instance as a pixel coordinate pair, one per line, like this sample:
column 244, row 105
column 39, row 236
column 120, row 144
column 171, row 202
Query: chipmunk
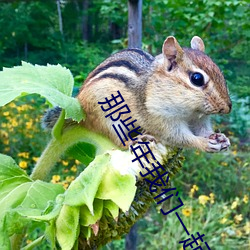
column 171, row 95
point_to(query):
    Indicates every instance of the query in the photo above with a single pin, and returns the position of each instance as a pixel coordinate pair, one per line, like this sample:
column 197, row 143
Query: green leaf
column 14, row 198
column 39, row 194
column 83, row 152
column 53, row 82
column 67, row 226
column 83, row 189
column 4, row 240
column 6, row 186
column 112, row 207
column 7, row 220
column 50, row 213
column 20, row 197
column 50, row 234
column 86, row 218
column 34, row 243
column 118, row 188
column 26, row 202
column 9, row 168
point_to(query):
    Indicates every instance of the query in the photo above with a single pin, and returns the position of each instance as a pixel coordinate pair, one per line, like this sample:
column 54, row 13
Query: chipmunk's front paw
column 142, row 138
column 217, row 142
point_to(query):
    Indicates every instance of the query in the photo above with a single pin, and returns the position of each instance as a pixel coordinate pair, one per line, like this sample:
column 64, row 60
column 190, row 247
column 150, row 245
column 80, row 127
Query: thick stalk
column 52, row 153
column 57, row 147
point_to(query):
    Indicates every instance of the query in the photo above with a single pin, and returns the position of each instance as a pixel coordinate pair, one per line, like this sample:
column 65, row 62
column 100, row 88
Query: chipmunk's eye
column 197, row 79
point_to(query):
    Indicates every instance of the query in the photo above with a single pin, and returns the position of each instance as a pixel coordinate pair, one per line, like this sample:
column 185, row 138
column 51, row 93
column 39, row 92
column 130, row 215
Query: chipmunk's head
column 195, row 78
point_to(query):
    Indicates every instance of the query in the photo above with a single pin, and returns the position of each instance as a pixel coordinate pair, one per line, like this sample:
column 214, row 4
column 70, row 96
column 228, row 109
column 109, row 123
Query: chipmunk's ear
column 197, row 43
column 171, row 49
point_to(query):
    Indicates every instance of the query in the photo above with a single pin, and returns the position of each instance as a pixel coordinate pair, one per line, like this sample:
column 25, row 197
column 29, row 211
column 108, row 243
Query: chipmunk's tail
column 50, row 117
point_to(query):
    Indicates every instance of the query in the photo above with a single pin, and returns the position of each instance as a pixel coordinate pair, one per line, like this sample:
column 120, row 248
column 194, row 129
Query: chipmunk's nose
column 226, row 109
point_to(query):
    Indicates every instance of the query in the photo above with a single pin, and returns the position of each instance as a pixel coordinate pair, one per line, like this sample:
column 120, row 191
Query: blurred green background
column 214, row 187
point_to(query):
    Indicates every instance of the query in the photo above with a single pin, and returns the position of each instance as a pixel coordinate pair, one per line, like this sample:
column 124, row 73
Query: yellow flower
column 234, row 152
column 4, row 134
column 14, row 123
column 6, row 141
column 223, row 235
column 73, row 168
column 23, row 107
column 12, row 105
column 192, row 190
column 211, row 195
column 238, row 159
column 223, row 220
column 197, row 152
column 238, row 233
column 77, row 162
column 6, row 149
column 203, row 199
column 187, row 211
column 6, row 113
column 70, row 178
column 235, row 203
column 224, row 164
column 238, row 218
column 247, row 228
column 35, row 159
column 65, row 185
column 24, row 155
column 29, row 124
column 65, row 163
column 245, row 199
column 55, row 178
column 23, row 164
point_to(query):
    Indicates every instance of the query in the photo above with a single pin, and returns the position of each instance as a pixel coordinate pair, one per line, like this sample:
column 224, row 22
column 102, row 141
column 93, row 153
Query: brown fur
column 159, row 94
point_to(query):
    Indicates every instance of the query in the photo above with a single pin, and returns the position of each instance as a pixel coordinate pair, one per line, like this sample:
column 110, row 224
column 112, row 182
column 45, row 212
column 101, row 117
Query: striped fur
column 123, row 66
column 160, row 94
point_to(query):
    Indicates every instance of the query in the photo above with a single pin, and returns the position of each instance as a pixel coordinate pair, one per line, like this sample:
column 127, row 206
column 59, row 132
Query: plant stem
column 57, row 147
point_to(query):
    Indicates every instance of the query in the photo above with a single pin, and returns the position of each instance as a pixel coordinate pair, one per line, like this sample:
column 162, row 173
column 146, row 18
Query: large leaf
column 6, row 186
column 83, row 189
column 53, row 82
column 86, row 218
column 9, row 168
column 83, row 152
column 67, row 226
column 101, row 180
column 21, row 197
column 118, row 188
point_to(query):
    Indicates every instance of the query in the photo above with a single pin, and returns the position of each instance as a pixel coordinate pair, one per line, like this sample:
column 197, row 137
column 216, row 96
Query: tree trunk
column 85, row 20
column 59, row 16
column 135, row 23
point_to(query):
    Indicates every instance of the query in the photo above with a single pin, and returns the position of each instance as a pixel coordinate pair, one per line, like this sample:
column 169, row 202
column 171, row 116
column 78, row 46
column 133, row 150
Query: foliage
column 224, row 225
column 226, row 175
column 53, row 82
column 223, row 25
column 99, row 204
column 30, row 32
column 223, row 171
